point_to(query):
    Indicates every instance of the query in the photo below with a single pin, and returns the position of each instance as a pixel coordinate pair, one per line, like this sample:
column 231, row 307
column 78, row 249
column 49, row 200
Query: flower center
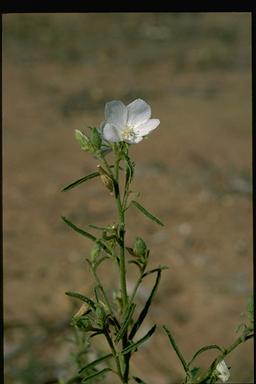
column 128, row 133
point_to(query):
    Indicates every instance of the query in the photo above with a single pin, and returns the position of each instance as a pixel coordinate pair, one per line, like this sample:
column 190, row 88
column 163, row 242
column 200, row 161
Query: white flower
column 127, row 123
column 222, row 371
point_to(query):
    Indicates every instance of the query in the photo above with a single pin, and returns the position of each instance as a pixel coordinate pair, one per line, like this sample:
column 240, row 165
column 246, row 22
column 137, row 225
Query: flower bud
column 95, row 138
column 82, row 310
column 83, row 140
column 108, row 182
column 105, row 178
column 140, row 247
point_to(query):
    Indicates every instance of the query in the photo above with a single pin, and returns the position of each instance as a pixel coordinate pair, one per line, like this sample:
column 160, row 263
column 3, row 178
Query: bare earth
column 194, row 172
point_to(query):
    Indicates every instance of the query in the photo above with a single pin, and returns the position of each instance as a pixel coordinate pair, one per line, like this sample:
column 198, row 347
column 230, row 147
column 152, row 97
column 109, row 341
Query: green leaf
column 138, row 380
column 204, row 349
column 144, row 312
column 95, row 362
column 161, row 267
column 99, row 373
column 78, row 230
column 99, row 332
column 146, row 213
column 83, row 140
column 81, row 297
column 85, row 234
column 131, row 251
column 100, row 228
column 80, row 181
column 136, row 262
column 97, row 263
column 176, row 349
column 127, row 317
column 95, row 138
column 135, row 345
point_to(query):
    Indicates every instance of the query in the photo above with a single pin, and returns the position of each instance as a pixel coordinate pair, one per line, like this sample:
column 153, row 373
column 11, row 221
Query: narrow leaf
column 85, row 234
column 138, row 380
column 99, row 228
column 146, row 213
column 95, row 334
column 144, row 312
column 131, row 251
column 176, row 349
column 127, row 317
column 102, row 372
column 81, row 297
column 79, row 230
column 203, row 349
column 95, row 362
column 161, row 267
column 100, row 261
column 136, row 262
column 80, row 181
column 135, row 345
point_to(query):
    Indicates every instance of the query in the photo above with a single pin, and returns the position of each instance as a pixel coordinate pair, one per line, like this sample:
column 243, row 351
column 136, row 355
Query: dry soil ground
column 194, row 172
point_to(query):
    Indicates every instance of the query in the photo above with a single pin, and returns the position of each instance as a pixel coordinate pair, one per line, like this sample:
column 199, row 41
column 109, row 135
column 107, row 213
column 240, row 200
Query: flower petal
column 138, row 113
column 111, row 133
column 137, row 139
column 116, row 113
column 147, row 127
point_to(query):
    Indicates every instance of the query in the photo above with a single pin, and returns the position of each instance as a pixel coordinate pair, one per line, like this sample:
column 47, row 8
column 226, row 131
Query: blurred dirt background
column 194, row 172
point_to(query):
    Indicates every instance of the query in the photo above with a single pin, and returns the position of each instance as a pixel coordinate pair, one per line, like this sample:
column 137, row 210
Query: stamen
column 128, row 133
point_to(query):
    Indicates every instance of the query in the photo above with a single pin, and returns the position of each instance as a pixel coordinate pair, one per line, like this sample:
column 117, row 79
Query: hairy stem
column 121, row 219
column 121, row 242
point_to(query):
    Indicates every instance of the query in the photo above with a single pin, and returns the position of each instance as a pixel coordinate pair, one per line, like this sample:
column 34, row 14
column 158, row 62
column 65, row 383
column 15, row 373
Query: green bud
column 140, row 247
column 95, row 138
column 83, row 322
column 83, row 140
column 86, row 324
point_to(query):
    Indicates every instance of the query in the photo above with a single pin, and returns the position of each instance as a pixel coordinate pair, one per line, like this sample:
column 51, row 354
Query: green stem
column 122, row 264
column 121, row 217
column 121, row 226
column 121, row 235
